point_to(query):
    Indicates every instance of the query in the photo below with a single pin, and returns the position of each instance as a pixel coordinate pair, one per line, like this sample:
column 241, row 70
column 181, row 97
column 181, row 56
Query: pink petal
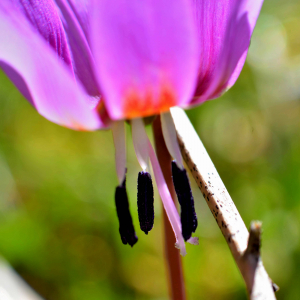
column 224, row 29
column 81, row 9
column 83, row 62
column 252, row 10
column 45, row 80
column 43, row 16
column 145, row 53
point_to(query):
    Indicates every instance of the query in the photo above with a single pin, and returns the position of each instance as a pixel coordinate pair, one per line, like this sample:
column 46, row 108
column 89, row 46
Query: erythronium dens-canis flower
column 94, row 64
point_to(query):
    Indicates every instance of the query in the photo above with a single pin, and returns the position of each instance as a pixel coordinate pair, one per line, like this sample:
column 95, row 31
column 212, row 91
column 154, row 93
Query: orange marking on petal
column 75, row 126
column 137, row 105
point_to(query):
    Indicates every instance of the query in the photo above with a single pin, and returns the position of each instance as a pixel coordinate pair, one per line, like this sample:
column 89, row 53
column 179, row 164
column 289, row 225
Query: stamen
column 167, row 200
column 139, row 138
column 118, row 131
column 126, row 228
column 184, row 194
column 170, row 137
column 144, row 151
column 145, row 201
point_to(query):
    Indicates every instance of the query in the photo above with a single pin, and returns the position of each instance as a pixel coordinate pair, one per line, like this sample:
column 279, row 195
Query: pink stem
column 173, row 258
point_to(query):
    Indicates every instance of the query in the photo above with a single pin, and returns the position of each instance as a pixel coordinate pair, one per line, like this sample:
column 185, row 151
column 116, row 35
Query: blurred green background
column 58, row 225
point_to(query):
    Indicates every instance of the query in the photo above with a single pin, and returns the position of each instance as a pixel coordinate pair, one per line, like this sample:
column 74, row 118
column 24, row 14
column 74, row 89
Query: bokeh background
column 58, row 225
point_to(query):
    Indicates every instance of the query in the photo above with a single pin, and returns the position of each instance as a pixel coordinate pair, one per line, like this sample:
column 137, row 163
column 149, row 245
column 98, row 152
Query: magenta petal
column 224, row 29
column 83, row 62
column 43, row 16
column 41, row 76
column 81, row 9
column 145, row 53
column 250, row 10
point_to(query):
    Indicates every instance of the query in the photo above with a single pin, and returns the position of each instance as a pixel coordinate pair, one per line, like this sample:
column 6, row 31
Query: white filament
column 170, row 137
column 140, row 138
column 118, row 131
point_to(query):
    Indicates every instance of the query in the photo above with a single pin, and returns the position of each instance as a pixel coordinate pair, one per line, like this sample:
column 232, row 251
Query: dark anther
column 126, row 228
column 184, row 194
column 145, row 201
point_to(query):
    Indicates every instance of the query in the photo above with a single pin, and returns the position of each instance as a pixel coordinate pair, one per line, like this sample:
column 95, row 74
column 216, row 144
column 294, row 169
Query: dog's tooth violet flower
column 94, row 64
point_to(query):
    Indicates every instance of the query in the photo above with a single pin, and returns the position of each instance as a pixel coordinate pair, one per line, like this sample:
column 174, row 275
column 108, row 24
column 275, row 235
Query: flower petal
column 146, row 54
column 81, row 9
column 224, row 30
column 251, row 9
column 41, row 76
column 83, row 62
column 44, row 17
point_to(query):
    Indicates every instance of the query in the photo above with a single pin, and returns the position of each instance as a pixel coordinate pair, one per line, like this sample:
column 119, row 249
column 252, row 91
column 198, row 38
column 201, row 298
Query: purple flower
column 89, row 65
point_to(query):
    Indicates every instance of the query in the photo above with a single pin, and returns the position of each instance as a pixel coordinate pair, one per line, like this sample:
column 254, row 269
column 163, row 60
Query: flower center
column 183, row 226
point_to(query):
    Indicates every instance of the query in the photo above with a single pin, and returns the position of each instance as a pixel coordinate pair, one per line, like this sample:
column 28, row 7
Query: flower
column 89, row 65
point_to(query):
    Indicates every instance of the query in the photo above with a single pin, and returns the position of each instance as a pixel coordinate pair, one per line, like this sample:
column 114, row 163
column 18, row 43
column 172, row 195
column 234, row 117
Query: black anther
column 145, row 201
column 126, row 228
column 183, row 190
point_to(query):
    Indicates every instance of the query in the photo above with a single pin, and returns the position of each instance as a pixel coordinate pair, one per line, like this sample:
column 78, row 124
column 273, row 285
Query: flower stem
column 173, row 258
